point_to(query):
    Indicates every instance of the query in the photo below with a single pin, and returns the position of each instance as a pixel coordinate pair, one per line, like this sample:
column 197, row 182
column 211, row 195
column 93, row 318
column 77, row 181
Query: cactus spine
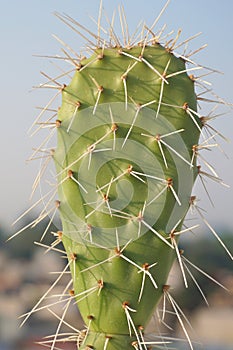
column 128, row 131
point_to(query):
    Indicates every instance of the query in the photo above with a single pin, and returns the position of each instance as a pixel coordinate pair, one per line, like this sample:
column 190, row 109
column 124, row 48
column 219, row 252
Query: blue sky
column 26, row 28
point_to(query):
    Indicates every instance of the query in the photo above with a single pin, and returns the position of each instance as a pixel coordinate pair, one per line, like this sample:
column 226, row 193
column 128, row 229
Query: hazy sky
column 26, row 28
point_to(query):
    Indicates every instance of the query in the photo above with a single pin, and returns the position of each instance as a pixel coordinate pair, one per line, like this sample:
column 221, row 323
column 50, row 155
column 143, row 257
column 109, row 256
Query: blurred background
column 26, row 29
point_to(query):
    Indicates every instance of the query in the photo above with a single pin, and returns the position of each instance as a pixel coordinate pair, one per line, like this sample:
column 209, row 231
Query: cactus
column 128, row 140
column 122, row 191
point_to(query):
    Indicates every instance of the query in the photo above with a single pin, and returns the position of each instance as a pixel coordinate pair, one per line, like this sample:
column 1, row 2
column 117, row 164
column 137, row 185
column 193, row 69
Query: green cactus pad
column 125, row 173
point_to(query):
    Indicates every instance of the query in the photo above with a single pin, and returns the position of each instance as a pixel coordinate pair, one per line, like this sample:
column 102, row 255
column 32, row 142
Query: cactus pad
column 126, row 129
column 127, row 134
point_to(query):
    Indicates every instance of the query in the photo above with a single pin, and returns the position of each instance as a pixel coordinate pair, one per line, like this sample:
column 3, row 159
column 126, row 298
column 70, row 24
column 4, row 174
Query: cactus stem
column 144, row 66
